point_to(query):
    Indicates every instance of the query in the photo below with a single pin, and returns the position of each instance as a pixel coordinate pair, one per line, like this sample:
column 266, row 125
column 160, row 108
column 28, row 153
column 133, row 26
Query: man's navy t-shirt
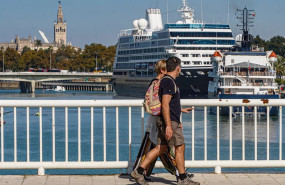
column 167, row 87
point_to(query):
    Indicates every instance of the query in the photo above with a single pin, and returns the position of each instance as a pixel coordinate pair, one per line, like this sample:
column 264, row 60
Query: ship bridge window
column 154, row 43
column 205, row 42
column 143, row 45
column 163, row 42
column 197, row 62
column 154, row 36
column 163, row 35
column 195, row 55
column 201, row 34
column 206, row 55
column 186, row 62
column 185, row 55
column 126, row 39
column 197, row 26
column 203, row 48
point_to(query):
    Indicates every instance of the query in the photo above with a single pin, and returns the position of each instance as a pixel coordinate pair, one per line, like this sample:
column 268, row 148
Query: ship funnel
column 154, row 18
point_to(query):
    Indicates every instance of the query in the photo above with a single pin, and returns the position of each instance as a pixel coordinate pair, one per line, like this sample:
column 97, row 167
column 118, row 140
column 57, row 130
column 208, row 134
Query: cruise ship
column 194, row 42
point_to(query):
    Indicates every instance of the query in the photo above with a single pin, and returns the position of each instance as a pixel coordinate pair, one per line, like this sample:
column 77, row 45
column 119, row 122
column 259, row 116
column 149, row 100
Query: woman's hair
column 161, row 64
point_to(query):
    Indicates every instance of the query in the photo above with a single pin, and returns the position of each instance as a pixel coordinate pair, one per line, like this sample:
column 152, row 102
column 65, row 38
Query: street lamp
column 50, row 60
column 3, row 58
column 96, row 59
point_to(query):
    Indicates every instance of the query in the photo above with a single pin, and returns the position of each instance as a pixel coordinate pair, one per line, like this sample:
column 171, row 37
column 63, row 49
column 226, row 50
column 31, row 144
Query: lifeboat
column 217, row 57
column 272, row 57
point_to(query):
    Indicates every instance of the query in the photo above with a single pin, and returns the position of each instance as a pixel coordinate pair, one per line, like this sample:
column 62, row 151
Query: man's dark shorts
column 177, row 136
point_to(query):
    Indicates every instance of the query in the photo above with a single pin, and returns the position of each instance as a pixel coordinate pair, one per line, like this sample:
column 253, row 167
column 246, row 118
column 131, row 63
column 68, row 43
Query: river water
column 123, row 132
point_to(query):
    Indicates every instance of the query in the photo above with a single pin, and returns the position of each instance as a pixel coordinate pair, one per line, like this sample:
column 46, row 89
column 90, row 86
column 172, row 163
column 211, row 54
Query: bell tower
column 60, row 28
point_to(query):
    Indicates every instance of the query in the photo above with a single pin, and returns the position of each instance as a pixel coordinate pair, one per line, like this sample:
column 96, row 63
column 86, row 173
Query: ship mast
column 187, row 13
column 246, row 18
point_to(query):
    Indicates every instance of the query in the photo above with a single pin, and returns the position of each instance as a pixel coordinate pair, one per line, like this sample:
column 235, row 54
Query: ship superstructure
column 244, row 74
column 194, row 42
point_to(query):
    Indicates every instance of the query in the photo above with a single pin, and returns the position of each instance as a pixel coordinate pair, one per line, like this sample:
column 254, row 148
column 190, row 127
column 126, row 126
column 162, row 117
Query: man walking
column 169, row 123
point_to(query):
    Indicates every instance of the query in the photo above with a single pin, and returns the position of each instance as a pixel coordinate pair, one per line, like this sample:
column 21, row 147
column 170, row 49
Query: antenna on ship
column 228, row 12
column 201, row 10
column 167, row 11
column 187, row 13
column 246, row 18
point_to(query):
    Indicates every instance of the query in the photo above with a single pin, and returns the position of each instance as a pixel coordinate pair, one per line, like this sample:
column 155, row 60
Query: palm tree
column 280, row 67
column 38, row 43
column 50, row 50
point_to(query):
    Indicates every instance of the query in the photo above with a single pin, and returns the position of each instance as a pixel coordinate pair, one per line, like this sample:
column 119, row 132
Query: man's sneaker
column 187, row 181
column 138, row 177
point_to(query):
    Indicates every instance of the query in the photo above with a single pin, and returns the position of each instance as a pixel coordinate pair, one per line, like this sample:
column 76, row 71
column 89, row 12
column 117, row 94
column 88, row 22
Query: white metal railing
column 218, row 163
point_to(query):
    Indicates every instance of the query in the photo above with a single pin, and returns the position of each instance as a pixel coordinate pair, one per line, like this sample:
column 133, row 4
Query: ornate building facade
column 60, row 28
column 59, row 37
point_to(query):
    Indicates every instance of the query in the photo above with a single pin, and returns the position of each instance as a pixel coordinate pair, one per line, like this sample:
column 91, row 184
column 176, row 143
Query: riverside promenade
column 93, row 134
column 157, row 179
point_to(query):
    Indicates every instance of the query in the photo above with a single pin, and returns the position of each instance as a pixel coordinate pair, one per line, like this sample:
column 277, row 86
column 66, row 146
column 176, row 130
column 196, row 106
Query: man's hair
column 161, row 64
column 172, row 63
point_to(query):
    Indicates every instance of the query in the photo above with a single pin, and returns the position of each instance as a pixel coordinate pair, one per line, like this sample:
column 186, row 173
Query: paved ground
column 157, row 179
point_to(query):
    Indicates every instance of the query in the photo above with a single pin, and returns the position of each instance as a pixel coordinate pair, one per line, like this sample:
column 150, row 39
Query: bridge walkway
column 157, row 179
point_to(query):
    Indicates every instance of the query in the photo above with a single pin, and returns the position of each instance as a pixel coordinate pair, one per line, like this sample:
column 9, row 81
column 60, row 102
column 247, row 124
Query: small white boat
column 59, row 88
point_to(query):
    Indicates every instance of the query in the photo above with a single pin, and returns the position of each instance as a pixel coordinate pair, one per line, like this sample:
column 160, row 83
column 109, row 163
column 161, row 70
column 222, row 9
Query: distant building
column 60, row 28
column 59, row 37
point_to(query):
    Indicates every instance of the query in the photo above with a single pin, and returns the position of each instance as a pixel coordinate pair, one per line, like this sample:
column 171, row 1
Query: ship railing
column 134, row 121
column 254, row 73
column 239, row 84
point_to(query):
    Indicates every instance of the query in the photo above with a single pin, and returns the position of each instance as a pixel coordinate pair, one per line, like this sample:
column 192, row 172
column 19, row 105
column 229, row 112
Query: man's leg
column 152, row 155
column 179, row 158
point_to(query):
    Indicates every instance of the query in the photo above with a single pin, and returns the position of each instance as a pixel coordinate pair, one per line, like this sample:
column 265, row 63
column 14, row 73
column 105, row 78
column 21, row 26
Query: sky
column 100, row 21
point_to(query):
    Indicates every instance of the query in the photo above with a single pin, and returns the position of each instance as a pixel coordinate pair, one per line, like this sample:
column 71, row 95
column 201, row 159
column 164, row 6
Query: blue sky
column 100, row 21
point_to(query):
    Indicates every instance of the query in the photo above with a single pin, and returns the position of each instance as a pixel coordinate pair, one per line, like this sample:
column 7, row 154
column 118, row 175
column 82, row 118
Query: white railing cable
column 280, row 133
column 79, row 134
column 231, row 133
column 243, row 134
column 218, row 133
column 53, row 134
column 66, row 134
column 205, row 134
column 193, row 134
column 117, row 134
column 2, row 134
column 104, row 135
column 255, row 133
column 15, row 134
column 28, row 134
column 92, row 134
column 268, row 131
column 41, row 134
column 130, row 134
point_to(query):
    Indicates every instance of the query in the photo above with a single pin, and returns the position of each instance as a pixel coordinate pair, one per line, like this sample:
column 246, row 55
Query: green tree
column 38, row 43
column 11, row 59
column 25, row 49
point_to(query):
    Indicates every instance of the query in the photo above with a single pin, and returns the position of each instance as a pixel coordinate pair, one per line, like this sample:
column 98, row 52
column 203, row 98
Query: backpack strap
column 175, row 87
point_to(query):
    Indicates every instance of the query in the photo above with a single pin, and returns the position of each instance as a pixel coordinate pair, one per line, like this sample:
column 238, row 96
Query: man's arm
column 187, row 110
column 166, row 115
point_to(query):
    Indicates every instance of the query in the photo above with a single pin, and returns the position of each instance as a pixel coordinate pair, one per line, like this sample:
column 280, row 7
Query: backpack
column 152, row 104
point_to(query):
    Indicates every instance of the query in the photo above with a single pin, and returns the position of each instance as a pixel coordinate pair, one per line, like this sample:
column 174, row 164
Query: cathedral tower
column 60, row 28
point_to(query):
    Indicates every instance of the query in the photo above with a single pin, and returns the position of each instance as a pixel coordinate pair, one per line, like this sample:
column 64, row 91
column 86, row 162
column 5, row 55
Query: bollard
column 218, row 170
column 41, row 171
